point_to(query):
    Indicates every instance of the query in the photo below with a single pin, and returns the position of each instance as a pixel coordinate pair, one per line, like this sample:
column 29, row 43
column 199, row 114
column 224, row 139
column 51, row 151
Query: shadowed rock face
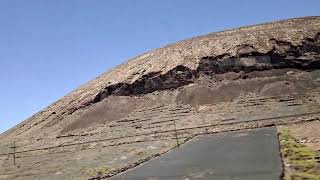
column 254, row 72
column 284, row 55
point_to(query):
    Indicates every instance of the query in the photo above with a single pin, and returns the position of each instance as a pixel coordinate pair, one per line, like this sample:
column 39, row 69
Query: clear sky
column 50, row 47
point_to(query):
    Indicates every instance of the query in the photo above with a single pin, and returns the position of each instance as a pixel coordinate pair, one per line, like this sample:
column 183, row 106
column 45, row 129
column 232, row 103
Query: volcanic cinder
column 250, row 77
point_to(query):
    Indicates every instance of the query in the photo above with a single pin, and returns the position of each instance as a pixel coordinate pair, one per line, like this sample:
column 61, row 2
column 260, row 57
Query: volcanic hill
column 251, row 77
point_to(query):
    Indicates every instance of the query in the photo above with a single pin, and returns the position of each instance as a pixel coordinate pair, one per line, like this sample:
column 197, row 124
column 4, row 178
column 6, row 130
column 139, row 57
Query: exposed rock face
column 254, row 72
column 248, row 59
column 284, row 44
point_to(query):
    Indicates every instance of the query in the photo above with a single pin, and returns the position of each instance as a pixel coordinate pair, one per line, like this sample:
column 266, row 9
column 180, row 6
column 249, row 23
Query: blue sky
column 50, row 47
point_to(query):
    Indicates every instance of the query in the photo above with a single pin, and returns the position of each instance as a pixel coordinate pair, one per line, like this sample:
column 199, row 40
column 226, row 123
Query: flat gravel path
column 240, row 155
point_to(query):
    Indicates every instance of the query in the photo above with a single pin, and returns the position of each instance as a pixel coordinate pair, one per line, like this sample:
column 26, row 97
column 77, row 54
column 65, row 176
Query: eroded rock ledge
column 248, row 59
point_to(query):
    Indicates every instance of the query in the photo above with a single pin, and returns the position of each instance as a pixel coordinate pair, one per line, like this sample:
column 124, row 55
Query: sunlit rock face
column 242, row 78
